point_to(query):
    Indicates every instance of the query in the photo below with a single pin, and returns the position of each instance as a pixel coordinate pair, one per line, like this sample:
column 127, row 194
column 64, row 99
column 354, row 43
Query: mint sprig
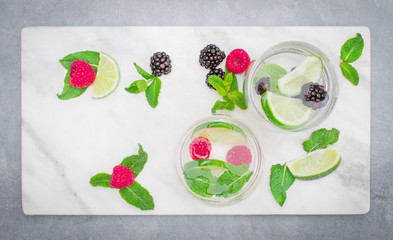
column 228, row 89
column 320, row 139
column 350, row 52
column 152, row 91
column 135, row 194
column 69, row 91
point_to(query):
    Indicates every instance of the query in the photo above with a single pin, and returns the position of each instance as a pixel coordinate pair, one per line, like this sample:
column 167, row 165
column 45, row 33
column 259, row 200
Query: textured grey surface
column 377, row 15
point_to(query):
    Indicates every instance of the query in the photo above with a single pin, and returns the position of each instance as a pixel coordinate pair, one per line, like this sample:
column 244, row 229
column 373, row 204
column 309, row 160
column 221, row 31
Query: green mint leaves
column 350, row 73
column 101, row 180
column 228, row 89
column 208, row 177
column 273, row 72
column 135, row 194
column 350, row 52
column 320, row 139
column 69, row 91
column 281, row 179
column 151, row 91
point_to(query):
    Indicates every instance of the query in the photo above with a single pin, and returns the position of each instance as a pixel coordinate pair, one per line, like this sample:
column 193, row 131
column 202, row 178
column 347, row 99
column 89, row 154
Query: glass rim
column 249, row 186
column 304, row 49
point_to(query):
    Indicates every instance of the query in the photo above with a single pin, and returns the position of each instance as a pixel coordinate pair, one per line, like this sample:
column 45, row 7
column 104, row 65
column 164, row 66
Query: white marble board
column 64, row 143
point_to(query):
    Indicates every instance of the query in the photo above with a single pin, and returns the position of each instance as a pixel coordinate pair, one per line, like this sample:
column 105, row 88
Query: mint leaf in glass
column 281, row 179
column 321, row 139
column 101, row 179
column 350, row 73
column 137, row 86
column 274, row 72
column 352, row 49
column 137, row 196
column 152, row 92
column 209, row 177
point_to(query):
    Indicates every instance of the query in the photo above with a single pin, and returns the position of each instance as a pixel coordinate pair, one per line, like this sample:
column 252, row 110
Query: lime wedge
column 222, row 135
column 108, row 76
column 315, row 165
column 309, row 70
column 285, row 112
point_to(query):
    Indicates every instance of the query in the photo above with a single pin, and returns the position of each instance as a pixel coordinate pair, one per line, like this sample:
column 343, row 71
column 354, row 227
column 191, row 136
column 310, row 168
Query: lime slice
column 285, row 112
column 309, row 70
column 222, row 135
column 219, row 124
column 315, row 165
column 107, row 78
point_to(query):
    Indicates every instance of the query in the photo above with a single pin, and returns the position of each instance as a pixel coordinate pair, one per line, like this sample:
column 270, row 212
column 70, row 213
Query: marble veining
column 64, row 143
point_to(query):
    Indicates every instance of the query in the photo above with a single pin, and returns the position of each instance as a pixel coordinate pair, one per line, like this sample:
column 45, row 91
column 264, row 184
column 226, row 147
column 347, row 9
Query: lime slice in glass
column 285, row 112
column 108, row 76
column 315, row 165
column 222, row 135
column 309, row 70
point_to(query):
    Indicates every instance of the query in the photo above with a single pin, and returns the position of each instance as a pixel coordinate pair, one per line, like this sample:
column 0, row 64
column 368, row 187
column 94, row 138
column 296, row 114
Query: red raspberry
column 237, row 61
column 200, row 148
column 239, row 155
column 81, row 74
column 122, row 177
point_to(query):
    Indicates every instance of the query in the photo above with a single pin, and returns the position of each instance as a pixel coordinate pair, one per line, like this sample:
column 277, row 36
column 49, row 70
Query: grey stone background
column 377, row 15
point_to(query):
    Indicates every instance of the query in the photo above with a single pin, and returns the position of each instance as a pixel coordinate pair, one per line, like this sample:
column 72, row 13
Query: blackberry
column 160, row 63
column 214, row 71
column 262, row 85
column 314, row 95
column 211, row 56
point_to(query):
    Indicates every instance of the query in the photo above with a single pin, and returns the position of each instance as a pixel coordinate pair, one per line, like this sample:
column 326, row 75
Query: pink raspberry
column 122, row 177
column 239, row 155
column 200, row 148
column 237, row 61
column 81, row 74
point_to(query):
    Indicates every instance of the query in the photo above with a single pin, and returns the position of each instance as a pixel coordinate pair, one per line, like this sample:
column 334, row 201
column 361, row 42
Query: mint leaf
column 274, row 72
column 208, row 177
column 93, row 58
column 152, row 92
column 233, row 182
column 136, row 162
column 220, row 105
column 238, row 98
column 234, row 85
column 228, row 81
column 143, row 73
column 137, row 86
column 281, row 180
column 352, row 49
column 70, row 91
column 320, row 139
column 137, row 196
column 350, row 73
column 218, row 84
column 101, row 180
